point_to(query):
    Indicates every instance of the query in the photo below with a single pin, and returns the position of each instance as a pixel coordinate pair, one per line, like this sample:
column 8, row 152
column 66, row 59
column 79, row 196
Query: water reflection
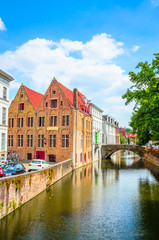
column 109, row 199
column 125, row 159
column 149, row 208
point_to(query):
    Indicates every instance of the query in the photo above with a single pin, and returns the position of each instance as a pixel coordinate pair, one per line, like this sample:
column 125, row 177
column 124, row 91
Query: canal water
column 109, row 199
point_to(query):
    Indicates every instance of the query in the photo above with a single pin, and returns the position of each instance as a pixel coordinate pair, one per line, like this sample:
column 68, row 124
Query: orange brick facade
column 60, row 130
column 47, row 111
column 117, row 135
column 15, row 130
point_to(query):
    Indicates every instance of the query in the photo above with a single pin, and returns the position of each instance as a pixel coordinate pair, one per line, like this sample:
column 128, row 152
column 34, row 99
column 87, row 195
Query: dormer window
column 61, row 103
column 53, row 92
column 21, row 95
column 54, row 103
column 21, row 106
column 46, row 104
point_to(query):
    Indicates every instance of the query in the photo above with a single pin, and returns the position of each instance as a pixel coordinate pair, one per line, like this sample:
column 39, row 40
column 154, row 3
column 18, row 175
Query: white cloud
column 135, row 48
column 2, row 26
column 155, row 3
column 70, row 46
column 88, row 66
column 14, row 85
column 102, row 48
column 118, row 110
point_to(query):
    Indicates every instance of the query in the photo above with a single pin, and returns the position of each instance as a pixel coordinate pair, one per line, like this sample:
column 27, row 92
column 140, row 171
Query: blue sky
column 91, row 45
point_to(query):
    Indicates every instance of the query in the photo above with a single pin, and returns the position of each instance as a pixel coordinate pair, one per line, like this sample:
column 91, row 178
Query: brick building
column 117, row 133
column 55, row 127
column 123, row 131
column 22, row 122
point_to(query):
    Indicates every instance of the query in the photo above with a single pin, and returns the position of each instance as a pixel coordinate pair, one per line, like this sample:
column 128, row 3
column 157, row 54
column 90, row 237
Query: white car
column 37, row 164
column 3, row 160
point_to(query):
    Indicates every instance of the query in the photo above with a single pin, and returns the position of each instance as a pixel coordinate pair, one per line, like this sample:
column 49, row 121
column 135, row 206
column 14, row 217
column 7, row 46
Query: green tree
column 128, row 130
column 122, row 139
column 145, row 94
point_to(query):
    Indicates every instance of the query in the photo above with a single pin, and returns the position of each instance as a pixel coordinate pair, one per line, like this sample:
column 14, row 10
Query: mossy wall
column 16, row 190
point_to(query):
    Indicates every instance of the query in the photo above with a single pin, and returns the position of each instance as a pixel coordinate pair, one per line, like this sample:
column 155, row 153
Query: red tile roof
column 69, row 96
column 131, row 135
column 35, row 97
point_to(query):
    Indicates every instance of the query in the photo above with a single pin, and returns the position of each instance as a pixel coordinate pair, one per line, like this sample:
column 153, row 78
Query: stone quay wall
column 152, row 158
column 17, row 190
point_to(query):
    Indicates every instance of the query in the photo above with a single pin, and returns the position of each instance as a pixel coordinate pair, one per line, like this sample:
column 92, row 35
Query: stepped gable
column 69, row 96
column 35, row 97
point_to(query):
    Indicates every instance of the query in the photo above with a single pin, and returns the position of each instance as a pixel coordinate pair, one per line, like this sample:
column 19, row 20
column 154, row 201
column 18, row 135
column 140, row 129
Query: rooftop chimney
column 75, row 98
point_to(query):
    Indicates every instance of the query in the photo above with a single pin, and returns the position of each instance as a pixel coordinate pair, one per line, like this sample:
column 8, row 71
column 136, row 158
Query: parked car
column 3, row 160
column 13, row 169
column 1, row 170
column 10, row 161
column 37, row 164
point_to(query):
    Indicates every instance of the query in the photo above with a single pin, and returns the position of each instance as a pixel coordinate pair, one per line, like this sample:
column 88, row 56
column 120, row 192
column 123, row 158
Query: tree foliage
column 128, row 130
column 122, row 139
column 145, row 94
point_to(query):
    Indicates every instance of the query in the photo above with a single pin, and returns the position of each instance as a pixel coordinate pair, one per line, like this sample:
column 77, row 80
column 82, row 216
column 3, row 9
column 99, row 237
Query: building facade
column 122, row 131
column 64, row 125
column 56, row 129
column 22, row 122
column 117, row 133
column 96, row 114
column 110, row 132
column 5, row 79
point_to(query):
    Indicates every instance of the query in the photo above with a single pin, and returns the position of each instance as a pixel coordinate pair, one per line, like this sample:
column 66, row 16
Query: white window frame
column 4, row 111
column 3, row 139
column 5, row 93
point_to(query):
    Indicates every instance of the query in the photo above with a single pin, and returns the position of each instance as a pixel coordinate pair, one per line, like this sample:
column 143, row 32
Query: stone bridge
column 108, row 150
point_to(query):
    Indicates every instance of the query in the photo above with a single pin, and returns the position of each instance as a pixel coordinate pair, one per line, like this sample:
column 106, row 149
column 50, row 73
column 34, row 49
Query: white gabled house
column 96, row 114
column 110, row 134
column 5, row 79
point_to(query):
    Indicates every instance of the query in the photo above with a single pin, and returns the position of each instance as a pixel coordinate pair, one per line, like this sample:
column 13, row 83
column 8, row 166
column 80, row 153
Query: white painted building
column 109, row 130
column 96, row 114
column 5, row 79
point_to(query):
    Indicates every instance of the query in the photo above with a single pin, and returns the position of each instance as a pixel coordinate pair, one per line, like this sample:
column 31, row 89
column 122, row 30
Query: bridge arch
column 108, row 150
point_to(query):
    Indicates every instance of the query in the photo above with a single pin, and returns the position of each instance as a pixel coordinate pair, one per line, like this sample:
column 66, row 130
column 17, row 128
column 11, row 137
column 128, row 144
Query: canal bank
column 93, row 202
column 151, row 155
column 17, row 190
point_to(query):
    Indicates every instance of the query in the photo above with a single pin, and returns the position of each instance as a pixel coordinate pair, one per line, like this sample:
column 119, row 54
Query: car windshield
column 9, row 167
column 2, row 167
column 36, row 162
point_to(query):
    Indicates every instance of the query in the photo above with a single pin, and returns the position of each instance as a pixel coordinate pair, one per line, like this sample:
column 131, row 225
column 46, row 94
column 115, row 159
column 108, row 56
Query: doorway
column 40, row 155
